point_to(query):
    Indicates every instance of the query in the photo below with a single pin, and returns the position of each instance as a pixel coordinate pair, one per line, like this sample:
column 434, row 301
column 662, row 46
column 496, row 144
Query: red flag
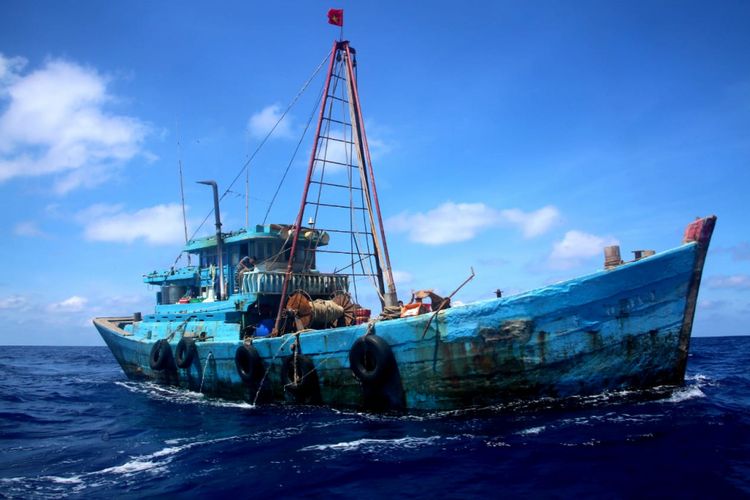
column 336, row 17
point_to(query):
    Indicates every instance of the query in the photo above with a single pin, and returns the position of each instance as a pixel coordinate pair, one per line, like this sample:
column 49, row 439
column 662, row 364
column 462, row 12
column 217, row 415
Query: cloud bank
column 157, row 225
column 576, row 247
column 262, row 122
column 455, row 222
column 55, row 121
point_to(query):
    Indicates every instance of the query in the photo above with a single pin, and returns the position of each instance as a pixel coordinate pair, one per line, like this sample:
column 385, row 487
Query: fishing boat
column 271, row 314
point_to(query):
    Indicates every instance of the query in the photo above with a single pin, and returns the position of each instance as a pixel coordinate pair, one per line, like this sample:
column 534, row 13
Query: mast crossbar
column 366, row 243
column 336, row 185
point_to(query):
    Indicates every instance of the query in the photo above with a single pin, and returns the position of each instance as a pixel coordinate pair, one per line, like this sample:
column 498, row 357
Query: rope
column 390, row 312
column 325, row 312
column 182, row 325
column 262, row 143
column 294, row 155
column 268, row 368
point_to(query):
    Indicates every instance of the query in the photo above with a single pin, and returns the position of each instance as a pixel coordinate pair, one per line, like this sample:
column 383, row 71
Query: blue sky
column 515, row 137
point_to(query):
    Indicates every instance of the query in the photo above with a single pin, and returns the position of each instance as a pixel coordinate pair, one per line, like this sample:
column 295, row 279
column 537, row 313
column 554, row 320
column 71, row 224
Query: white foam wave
column 699, row 379
column 497, row 444
column 153, row 463
column 685, row 394
column 532, row 431
column 610, row 417
column 64, row 480
column 181, row 396
column 372, row 444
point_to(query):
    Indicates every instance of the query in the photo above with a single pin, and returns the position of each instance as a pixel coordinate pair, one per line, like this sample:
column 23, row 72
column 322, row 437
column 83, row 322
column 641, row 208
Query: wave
column 375, row 444
column 155, row 463
column 532, row 431
column 685, row 394
column 180, row 396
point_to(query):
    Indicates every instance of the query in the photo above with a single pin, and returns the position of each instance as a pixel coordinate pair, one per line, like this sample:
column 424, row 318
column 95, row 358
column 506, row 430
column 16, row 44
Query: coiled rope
column 325, row 313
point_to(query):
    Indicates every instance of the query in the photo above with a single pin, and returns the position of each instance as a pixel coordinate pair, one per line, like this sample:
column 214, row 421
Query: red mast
column 341, row 70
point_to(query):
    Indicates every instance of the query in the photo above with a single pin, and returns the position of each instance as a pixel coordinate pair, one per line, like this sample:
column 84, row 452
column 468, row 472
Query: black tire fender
column 371, row 360
column 160, row 356
column 249, row 364
column 184, row 352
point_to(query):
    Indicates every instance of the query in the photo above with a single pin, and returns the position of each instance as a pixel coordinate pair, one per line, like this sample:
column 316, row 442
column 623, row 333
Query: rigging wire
column 252, row 156
column 296, row 149
column 182, row 195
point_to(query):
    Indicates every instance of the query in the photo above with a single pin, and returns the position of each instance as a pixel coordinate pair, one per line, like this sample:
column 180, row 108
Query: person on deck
column 246, row 265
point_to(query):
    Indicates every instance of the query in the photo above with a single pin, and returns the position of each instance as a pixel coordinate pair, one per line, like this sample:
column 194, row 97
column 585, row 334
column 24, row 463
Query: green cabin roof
column 267, row 231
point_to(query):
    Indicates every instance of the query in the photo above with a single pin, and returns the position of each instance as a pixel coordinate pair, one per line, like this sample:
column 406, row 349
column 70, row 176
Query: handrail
column 263, row 282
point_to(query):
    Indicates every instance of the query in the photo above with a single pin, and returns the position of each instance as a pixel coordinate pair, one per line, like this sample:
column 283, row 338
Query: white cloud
column 157, row 225
column 56, row 123
column 29, row 229
column 18, row 302
column 71, row 304
column 342, row 152
column 734, row 281
column 262, row 122
column 9, row 70
column 576, row 247
column 454, row 222
column 448, row 223
column 532, row 223
column 339, row 152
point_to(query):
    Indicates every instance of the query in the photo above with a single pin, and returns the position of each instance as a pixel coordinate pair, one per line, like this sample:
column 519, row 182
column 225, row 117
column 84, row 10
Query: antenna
column 247, row 200
column 182, row 193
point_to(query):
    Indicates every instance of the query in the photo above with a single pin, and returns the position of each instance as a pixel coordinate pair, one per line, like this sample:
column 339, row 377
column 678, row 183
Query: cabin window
column 259, row 250
column 274, row 247
column 265, row 250
column 208, row 258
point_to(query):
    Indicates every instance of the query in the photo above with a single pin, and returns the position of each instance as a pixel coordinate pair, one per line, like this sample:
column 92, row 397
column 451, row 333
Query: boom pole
column 391, row 298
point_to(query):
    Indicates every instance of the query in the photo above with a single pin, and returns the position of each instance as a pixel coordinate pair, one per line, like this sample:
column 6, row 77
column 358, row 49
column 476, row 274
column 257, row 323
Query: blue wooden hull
column 624, row 328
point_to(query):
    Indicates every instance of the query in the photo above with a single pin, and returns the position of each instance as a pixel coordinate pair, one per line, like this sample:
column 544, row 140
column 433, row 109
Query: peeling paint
column 609, row 330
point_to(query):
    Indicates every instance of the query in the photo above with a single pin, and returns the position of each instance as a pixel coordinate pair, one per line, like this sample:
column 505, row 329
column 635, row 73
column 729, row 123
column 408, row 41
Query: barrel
column 170, row 294
column 362, row 316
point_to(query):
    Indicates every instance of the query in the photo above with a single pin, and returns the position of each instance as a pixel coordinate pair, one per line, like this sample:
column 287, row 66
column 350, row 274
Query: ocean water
column 71, row 424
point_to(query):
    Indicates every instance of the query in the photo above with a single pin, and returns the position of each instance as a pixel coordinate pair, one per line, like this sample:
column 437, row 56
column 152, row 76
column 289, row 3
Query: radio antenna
column 182, row 195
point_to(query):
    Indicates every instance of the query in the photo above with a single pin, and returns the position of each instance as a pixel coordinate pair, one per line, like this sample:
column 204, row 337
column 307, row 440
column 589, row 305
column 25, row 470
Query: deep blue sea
column 71, row 424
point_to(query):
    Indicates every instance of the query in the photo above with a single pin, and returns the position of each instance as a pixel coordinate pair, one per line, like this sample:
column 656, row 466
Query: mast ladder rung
column 337, row 121
column 337, row 98
column 344, row 232
column 331, row 205
column 335, row 185
column 345, row 253
column 323, row 160
column 336, row 139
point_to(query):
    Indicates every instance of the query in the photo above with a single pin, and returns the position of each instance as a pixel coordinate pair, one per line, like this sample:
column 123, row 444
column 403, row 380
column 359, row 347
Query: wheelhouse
column 256, row 290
